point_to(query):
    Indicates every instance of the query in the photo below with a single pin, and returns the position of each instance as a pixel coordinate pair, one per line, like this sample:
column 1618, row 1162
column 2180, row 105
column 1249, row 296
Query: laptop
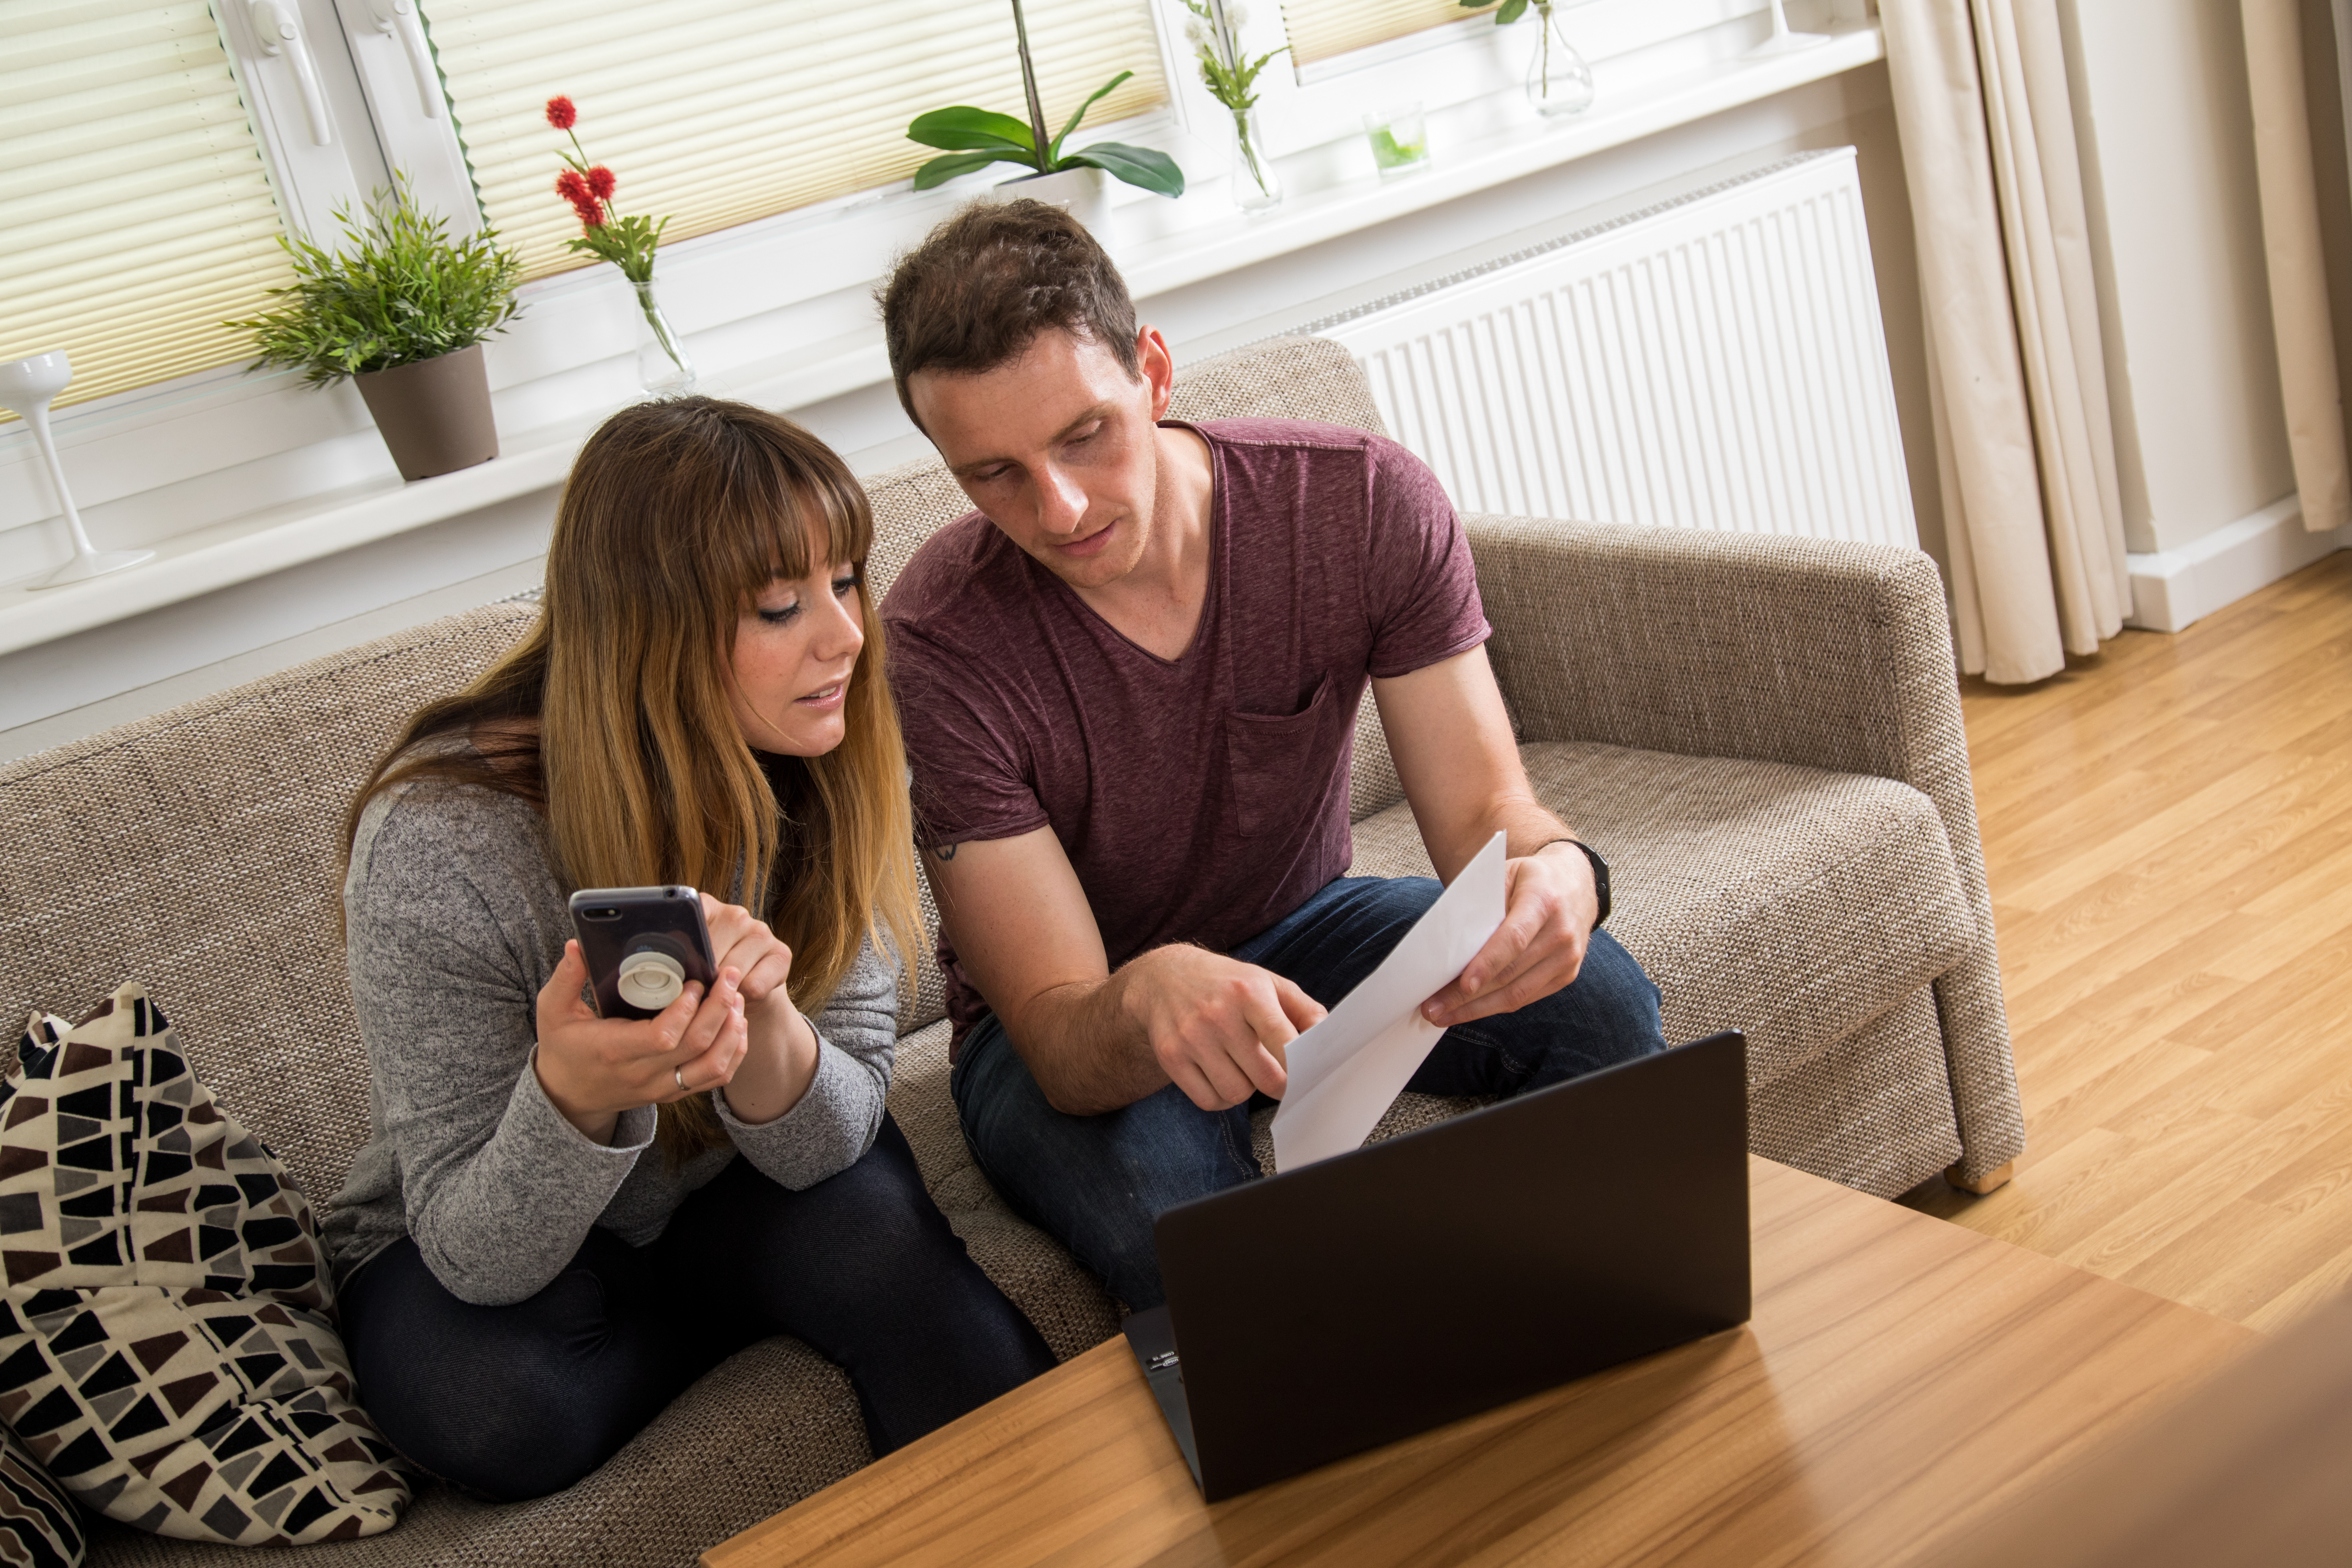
column 1379, row 1294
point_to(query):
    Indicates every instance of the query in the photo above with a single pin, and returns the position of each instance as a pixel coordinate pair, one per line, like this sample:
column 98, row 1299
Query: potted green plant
column 975, row 138
column 403, row 312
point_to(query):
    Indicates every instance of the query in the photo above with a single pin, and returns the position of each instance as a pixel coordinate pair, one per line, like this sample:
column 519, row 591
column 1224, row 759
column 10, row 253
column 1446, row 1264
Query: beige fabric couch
column 1762, row 734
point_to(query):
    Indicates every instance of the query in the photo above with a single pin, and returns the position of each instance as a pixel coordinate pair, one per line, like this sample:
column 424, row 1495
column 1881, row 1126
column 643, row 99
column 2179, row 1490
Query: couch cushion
column 1795, row 904
column 40, row 1525
column 1279, row 378
column 167, row 1350
column 206, row 841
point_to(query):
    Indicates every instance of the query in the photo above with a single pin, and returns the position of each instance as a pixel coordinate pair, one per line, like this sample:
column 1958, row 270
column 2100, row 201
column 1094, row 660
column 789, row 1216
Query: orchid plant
column 975, row 138
column 1231, row 77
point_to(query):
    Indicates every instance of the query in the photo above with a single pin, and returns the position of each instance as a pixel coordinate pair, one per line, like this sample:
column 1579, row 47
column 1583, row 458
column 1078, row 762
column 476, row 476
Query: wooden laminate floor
column 2169, row 833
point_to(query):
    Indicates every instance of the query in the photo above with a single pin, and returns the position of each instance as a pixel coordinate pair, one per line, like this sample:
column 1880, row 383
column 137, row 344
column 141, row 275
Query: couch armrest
column 1816, row 652
column 1808, row 651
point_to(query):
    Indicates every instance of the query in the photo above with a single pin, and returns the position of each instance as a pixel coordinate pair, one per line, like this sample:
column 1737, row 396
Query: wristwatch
column 1599, row 874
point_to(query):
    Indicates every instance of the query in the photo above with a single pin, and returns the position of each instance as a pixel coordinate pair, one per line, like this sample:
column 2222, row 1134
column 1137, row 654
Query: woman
column 551, row 1234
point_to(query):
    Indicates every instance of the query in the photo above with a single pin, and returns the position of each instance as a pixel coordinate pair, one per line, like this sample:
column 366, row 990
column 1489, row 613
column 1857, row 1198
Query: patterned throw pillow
column 166, row 1349
column 39, row 1526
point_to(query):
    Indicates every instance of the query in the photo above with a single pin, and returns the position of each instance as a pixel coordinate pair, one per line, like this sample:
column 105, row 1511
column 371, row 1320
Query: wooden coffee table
column 1901, row 1377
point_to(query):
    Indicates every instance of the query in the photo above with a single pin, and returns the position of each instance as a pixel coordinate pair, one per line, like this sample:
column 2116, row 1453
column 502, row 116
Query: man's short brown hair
column 978, row 291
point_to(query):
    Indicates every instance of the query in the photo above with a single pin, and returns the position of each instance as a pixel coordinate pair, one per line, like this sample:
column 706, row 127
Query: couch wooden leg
column 1995, row 1178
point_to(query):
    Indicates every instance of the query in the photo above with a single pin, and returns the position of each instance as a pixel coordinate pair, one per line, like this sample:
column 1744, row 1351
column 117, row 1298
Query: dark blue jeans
column 1098, row 1182
column 520, row 1401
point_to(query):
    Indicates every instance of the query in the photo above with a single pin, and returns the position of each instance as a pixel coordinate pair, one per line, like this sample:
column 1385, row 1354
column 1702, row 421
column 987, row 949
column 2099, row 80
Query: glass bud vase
column 1558, row 81
column 1256, row 187
column 663, row 368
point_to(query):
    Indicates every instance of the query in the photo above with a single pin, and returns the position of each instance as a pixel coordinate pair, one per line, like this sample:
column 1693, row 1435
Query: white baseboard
column 2175, row 587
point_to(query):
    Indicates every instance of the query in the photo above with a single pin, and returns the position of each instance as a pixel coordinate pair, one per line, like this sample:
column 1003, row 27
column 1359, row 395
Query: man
column 1129, row 684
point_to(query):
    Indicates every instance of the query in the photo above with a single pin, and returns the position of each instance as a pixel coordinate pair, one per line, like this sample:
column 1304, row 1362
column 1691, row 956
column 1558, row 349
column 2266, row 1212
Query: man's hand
column 1219, row 1028
column 1548, row 906
column 1460, row 765
column 1215, row 1027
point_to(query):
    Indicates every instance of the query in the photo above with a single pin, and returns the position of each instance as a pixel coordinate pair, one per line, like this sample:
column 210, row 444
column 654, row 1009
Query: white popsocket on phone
column 651, row 980
column 643, row 946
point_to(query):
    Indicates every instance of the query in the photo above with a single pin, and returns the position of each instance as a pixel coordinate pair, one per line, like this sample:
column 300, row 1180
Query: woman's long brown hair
column 676, row 513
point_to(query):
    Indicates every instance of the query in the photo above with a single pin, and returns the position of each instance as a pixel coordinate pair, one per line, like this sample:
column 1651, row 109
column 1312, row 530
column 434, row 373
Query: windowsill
column 258, row 544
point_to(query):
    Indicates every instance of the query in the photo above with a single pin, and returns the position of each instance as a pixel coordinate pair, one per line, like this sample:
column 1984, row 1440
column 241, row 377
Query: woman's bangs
column 795, row 523
column 837, row 507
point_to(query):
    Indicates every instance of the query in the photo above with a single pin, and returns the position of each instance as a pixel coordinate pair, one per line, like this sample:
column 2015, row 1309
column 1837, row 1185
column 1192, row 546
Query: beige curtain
column 2298, row 266
column 2032, row 513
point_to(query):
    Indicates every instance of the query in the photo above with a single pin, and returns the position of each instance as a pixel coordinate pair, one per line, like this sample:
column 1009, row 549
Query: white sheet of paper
column 1347, row 1071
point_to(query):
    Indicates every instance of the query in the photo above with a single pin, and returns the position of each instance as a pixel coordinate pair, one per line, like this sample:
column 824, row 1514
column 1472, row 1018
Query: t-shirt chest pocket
column 1273, row 763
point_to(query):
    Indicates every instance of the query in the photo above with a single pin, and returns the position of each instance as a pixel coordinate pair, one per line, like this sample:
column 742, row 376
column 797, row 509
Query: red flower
column 573, row 188
column 560, row 113
column 601, row 183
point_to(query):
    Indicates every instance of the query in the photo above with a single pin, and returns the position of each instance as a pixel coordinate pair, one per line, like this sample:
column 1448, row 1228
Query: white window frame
column 418, row 139
column 311, row 180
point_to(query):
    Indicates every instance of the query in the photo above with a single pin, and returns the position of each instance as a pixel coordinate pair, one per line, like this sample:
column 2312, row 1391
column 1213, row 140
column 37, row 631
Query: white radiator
column 1713, row 361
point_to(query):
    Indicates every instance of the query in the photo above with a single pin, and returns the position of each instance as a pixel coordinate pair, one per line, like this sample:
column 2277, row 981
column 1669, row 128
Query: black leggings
column 520, row 1401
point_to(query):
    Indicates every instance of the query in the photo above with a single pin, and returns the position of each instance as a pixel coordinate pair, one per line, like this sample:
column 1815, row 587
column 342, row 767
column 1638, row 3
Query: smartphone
column 643, row 945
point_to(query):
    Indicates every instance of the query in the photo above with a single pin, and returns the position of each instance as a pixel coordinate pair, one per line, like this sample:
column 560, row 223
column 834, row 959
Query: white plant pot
column 1084, row 194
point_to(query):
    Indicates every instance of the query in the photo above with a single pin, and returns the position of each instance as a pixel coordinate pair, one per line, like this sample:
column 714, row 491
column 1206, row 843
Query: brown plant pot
column 434, row 414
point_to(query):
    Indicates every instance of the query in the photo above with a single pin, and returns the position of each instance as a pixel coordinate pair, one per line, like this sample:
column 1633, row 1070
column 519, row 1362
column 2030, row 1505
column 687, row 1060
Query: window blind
column 718, row 111
column 135, row 210
column 1321, row 28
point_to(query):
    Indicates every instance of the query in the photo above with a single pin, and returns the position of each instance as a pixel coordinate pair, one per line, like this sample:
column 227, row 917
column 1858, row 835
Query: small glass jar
column 1400, row 139
column 1558, row 81
column 664, row 368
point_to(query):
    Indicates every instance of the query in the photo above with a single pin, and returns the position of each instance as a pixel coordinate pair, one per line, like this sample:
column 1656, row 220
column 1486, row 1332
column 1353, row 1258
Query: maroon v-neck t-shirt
column 1199, row 799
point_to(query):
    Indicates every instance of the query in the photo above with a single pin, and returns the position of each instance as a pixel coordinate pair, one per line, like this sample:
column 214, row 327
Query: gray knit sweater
column 456, row 919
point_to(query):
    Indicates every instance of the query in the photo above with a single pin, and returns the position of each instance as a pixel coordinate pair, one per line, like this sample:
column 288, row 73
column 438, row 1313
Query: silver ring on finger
column 679, row 1074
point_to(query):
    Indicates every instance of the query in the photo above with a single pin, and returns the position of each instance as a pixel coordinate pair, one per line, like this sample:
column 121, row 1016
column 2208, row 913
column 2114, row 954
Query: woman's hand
column 782, row 1046
column 594, row 1069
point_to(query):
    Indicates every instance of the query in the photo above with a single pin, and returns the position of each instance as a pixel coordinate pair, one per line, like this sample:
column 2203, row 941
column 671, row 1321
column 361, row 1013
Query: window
column 1319, row 29
column 158, row 148
column 715, row 112
column 137, row 209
